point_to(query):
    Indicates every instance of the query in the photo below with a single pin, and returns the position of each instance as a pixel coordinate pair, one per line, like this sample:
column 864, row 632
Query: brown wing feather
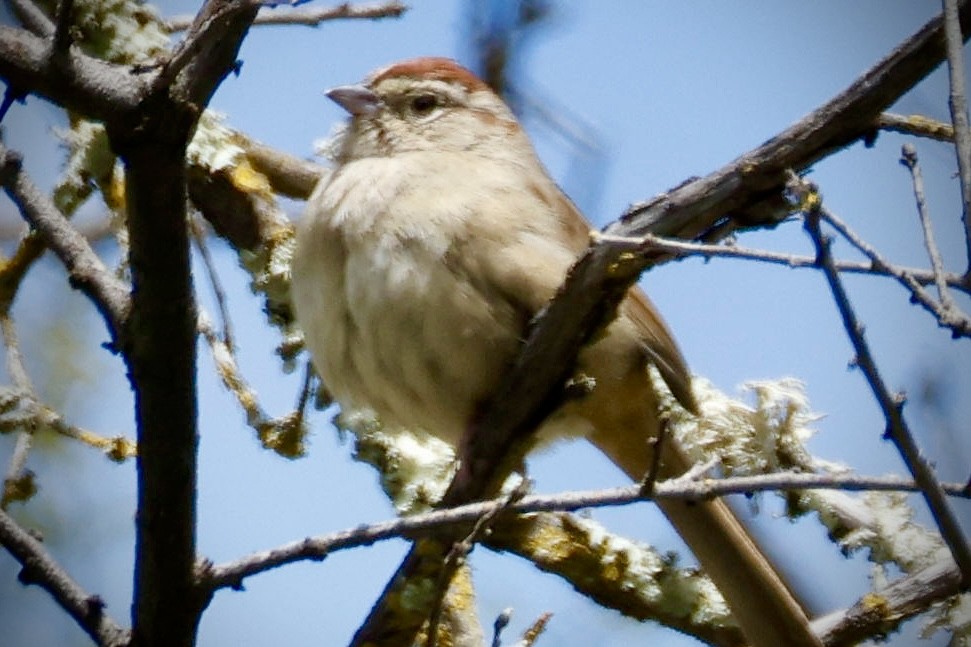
column 660, row 348
column 658, row 344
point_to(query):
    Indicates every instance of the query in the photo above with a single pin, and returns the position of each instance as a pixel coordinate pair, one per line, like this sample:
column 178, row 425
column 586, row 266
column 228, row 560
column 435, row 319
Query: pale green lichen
column 415, row 468
column 119, row 31
column 90, row 162
column 745, row 439
column 640, row 570
column 214, row 145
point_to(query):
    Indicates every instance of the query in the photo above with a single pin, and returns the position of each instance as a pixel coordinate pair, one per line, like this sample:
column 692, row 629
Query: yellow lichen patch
column 875, row 603
column 18, row 489
column 246, row 178
column 931, row 126
column 114, row 193
column 284, row 435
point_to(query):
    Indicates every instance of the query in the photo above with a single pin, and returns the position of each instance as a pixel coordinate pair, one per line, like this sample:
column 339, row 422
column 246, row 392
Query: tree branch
column 309, row 16
column 151, row 138
column 883, row 611
column 91, row 87
column 41, row 569
column 958, row 103
column 31, row 17
column 891, row 405
column 951, row 318
column 735, row 196
column 916, row 125
column 86, row 271
column 676, row 249
column 232, row 574
column 908, row 158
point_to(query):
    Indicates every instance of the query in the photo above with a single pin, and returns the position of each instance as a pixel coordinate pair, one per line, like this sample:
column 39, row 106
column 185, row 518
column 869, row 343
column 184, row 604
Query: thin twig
column 22, row 382
column 908, row 158
column 309, row 16
column 461, row 549
column 684, row 249
column 217, row 289
column 891, row 405
column 228, row 369
column 536, row 630
column 916, row 125
column 85, row 269
column 24, row 409
column 315, row 548
column 958, row 103
column 657, row 448
column 959, row 324
column 41, row 569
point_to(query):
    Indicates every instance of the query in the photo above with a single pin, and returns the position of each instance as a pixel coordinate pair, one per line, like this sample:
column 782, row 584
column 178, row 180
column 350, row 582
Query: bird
column 420, row 260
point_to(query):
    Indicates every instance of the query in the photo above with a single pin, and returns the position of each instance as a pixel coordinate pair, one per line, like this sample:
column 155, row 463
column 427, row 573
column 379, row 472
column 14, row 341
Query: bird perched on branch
column 420, row 261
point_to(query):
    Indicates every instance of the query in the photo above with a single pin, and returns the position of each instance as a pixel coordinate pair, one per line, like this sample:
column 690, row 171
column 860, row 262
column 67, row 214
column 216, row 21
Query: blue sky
column 670, row 90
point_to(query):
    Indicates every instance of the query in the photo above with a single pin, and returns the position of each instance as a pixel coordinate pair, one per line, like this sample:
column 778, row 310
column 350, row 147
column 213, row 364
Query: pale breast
column 393, row 316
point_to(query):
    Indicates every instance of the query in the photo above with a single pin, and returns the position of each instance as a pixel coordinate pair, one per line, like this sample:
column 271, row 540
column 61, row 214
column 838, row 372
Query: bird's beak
column 356, row 99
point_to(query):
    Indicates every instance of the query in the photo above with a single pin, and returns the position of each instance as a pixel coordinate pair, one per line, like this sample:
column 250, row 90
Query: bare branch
column 219, row 294
column 958, row 103
column 891, row 405
column 908, row 158
column 18, row 375
column 951, row 318
column 692, row 489
column 916, row 125
column 41, row 569
column 683, row 249
column 309, row 16
column 289, row 175
column 208, row 53
column 738, row 192
column 884, row 610
column 71, row 79
column 86, row 270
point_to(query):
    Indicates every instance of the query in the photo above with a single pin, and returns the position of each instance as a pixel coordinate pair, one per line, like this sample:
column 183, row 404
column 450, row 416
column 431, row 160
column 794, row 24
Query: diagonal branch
column 31, row 17
column 86, row 271
column 891, row 405
column 735, row 195
column 881, row 613
column 71, row 79
column 949, row 317
column 41, row 569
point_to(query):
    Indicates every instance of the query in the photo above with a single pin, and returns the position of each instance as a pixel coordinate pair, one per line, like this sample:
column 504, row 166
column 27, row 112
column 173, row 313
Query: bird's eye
column 423, row 104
